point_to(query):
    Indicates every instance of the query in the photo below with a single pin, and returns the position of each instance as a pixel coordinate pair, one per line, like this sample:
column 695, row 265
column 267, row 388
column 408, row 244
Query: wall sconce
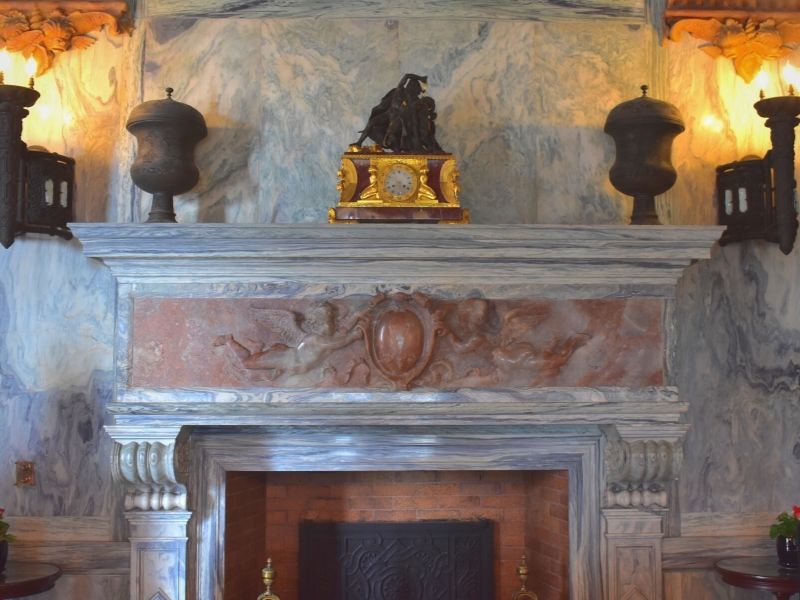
column 36, row 186
column 756, row 197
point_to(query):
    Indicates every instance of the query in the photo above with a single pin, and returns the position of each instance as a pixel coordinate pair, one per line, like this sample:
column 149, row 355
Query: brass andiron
column 268, row 575
column 523, row 593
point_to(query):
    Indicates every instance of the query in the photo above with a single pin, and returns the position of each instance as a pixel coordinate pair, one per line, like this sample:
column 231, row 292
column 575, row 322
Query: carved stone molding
column 146, row 464
column 747, row 42
column 43, row 30
column 640, row 469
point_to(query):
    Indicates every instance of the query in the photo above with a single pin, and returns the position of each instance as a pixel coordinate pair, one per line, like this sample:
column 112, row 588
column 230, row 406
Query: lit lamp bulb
column 5, row 64
column 30, row 69
column 762, row 81
column 791, row 75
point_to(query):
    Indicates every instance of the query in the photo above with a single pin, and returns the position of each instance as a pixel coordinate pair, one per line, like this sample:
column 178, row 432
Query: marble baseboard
column 89, row 586
column 703, row 552
column 62, row 529
column 78, row 556
column 711, row 524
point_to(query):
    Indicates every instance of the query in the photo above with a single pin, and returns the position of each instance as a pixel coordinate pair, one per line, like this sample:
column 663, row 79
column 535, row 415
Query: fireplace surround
column 618, row 438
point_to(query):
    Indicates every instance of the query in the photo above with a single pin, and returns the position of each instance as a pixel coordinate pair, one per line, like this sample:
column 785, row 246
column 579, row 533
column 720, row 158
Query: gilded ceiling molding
column 748, row 32
column 43, row 30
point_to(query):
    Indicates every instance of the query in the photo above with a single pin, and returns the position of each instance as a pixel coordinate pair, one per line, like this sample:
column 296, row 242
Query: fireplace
column 265, row 514
column 527, row 349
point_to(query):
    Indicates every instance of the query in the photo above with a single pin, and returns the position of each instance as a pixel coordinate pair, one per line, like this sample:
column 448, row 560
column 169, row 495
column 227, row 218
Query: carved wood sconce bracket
column 737, row 31
column 45, row 29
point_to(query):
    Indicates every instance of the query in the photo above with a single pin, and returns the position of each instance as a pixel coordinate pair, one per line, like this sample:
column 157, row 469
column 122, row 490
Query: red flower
column 795, row 511
column 3, row 510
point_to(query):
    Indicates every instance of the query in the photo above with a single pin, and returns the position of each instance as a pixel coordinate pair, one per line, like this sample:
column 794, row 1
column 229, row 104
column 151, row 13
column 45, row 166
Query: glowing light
column 31, row 66
column 712, row 123
column 791, row 75
column 762, row 79
column 5, row 60
column 67, row 118
column 44, row 111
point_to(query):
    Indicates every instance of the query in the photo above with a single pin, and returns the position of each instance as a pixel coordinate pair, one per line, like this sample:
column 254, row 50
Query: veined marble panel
column 54, row 308
column 738, row 362
column 225, row 343
column 216, row 68
column 291, row 94
column 320, row 80
column 417, row 9
column 47, row 286
column 579, row 74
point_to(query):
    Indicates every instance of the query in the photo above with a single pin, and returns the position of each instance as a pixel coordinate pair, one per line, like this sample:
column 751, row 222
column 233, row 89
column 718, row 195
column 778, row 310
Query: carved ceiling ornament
column 747, row 42
column 44, row 30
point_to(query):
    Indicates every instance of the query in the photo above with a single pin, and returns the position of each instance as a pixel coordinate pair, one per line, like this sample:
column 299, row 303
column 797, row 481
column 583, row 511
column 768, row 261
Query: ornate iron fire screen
column 427, row 560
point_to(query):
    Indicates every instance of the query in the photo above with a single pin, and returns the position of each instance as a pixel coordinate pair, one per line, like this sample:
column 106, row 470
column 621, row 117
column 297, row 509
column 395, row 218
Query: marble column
column 144, row 460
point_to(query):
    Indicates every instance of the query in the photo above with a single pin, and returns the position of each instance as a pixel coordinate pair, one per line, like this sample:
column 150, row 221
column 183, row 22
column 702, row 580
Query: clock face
column 399, row 182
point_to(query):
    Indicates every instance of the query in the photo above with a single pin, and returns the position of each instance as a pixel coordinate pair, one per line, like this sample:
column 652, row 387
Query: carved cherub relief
column 470, row 334
column 405, row 341
column 307, row 340
column 528, row 348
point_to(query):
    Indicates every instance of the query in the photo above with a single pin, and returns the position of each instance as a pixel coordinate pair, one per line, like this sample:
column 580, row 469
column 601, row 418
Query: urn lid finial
column 168, row 112
column 644, row 110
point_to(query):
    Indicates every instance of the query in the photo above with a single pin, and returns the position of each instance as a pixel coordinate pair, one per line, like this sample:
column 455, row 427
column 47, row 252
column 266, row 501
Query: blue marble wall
column 520, row 103
column 56, row 326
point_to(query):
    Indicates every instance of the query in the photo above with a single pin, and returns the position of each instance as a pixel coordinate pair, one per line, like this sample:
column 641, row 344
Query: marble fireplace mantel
column 636, row 257
column 619, row 439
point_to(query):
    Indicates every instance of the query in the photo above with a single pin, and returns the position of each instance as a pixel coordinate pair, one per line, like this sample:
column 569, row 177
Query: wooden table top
column 759, row 573
column 24, row 579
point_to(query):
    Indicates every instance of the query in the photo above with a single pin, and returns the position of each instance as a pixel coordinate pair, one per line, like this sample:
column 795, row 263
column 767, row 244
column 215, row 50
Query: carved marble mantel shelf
column 415, row 254
column 619, row 442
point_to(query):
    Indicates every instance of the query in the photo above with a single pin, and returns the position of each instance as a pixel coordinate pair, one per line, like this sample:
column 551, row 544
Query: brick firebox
column 529, row 509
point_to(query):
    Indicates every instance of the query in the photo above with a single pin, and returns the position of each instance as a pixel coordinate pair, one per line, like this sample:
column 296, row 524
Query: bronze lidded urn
column 643, row 130
column 167, row 132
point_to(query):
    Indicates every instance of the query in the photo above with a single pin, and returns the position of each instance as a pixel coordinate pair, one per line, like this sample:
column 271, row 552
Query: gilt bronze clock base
column 386, row 187
column 423, row 214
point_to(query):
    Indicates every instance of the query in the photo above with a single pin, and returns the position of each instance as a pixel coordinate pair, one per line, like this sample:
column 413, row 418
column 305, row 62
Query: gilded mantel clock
column 405, row 176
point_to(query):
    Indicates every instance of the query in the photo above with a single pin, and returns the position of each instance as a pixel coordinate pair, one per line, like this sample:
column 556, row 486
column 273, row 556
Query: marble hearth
column 375, row 348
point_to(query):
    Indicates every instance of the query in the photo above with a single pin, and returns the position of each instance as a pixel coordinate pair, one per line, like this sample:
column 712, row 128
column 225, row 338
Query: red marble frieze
column 397, row 341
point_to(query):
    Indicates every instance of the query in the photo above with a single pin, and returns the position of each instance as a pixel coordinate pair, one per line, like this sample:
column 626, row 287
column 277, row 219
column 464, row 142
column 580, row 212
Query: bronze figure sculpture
column 403, row 121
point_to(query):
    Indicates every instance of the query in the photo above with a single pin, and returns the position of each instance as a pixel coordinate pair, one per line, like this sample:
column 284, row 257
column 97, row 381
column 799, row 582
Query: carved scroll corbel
column 147, row 468
column 638, row 472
